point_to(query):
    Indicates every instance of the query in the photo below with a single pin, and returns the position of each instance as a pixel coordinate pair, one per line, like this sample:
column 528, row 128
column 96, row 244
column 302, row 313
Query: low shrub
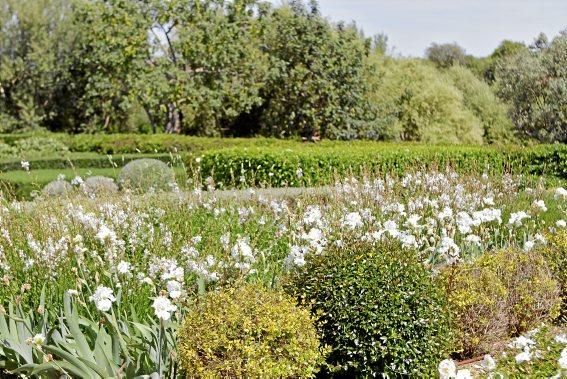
column 555, row 252
column 99, row 185
column 477, row 299
column 248, row 332
column 377, row 307
column 143, row 175
column 500, row 294
column 57, row 188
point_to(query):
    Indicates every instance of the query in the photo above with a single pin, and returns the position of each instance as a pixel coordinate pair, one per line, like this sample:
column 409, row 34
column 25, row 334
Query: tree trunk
column 174, row 119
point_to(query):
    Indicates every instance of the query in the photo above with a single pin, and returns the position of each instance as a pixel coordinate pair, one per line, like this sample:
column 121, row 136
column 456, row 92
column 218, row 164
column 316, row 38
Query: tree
column 36, row 41
column 316, row 85
column 535, row 84
column 446, row 55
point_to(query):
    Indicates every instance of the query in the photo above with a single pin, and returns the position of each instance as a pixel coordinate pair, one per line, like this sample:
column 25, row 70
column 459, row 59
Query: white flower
column 38, row 339
column 299, row 173
column 488, row 363
column 517, row 218
column 103, row 298
column 77, row 181
column 413, row 220
column 464, row 374
column 474, row 239
column 312, row 215
column 540, row 205
column 489, row 200
column 447, row 369
column 560, row 193
column 522, row 343
column 73, row 292
column 124, row 268
column 198, row 159
column 561, row 224
column 352, row 220
column 446, row 213
column 163, row 308
column 174, row 289
column 25, row 165
column 562, row 361
column 561, row 338
column 529, row 245
column 464, row 222
column 522, row 357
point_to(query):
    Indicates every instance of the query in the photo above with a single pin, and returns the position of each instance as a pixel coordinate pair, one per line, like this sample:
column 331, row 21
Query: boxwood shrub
column 378, row 309
column 248, row 332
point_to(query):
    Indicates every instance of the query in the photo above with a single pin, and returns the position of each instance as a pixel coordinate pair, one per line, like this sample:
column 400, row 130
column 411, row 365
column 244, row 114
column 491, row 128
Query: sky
column 477, row 25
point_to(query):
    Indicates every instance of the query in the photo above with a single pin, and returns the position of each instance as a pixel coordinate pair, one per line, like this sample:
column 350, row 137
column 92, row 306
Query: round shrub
column 57, row 188
column 377, row 307
column 248, row 332
column 143, row 175
column 98, row 185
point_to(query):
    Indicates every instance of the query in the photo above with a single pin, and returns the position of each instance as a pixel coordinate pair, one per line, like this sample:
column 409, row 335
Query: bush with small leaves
column 555, row 253
column 248, row 332
column 377, row 307
column 57, row 187
column 99, row 185
column 144, row 175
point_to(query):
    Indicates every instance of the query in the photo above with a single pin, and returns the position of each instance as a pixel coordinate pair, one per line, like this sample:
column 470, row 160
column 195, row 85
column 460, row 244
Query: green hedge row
column 79, row 160
column 314, row 165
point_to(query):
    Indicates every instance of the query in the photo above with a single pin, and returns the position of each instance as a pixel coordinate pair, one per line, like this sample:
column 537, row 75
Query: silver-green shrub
column 97, row 185
column 57, row 188
column 147, row 175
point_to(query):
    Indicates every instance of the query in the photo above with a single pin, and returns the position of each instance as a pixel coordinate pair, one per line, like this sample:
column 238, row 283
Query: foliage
column 248, row 331
column 500, row 294
column 535, row 84
column 543, row 359
column 31, row 343
column 419, row 104
column 143, row 175
column 376, row 307
column 36, row 44
column 446, row 55
column 479, row 98
column 325, row 164
column 317, row 84
column 477, row 300
column 99, row 185
column 57, row 187
column 555, row 252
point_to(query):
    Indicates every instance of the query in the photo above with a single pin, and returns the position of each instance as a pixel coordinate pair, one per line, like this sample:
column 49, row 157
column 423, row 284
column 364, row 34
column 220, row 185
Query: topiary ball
column 57, row 188
column 98, row 185
column 248, row 332
column 378, row 309
column 147, row 175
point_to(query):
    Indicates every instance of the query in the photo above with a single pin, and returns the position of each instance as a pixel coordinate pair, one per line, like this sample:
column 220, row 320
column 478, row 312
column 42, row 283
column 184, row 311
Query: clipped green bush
column 39, row 145
column 57, row 188
column 99, row 185
column 377, row 307
column 248, row 332
column 143, row 175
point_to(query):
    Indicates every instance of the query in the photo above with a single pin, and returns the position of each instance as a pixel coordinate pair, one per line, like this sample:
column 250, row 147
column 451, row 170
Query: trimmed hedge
column 317, row 165
column 89, row 160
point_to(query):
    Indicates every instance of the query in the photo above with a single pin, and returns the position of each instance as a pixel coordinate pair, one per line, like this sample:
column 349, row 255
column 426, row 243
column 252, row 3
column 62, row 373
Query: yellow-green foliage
column 248, row 332
column 485, row 105
column 555, row 252
column 477, row 299
column 500, row 294
column 424, row 105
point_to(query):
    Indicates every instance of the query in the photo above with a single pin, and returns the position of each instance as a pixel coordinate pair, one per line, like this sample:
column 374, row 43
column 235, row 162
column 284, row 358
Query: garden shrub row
column 315, row 165
column 86, row 160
